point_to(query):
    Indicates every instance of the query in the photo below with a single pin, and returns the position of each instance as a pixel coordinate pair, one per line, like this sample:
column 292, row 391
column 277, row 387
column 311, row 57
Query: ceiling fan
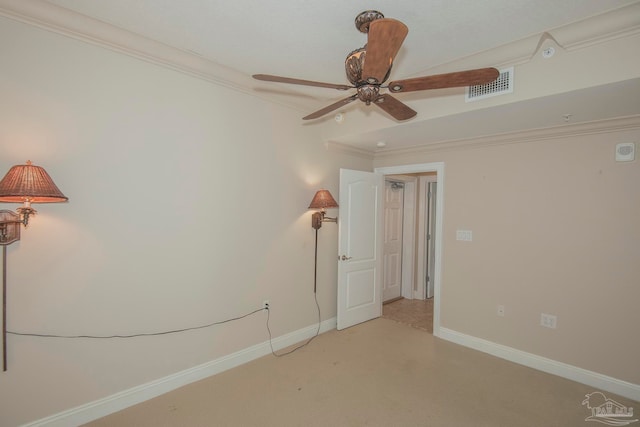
column 369, row 67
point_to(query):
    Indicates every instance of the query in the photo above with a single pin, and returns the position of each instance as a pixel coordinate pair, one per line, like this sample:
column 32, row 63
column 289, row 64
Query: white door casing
column 409, row 235
column 431, row 241
column 359, row 247
column 425, row 228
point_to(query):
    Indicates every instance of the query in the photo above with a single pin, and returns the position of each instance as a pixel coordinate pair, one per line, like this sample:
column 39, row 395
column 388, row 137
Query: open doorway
column 421, row 235
column 393, row 241
column 409, row 248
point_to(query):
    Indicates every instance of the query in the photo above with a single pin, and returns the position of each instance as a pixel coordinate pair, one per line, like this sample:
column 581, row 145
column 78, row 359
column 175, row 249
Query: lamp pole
column 4, row 308
column 315, row 267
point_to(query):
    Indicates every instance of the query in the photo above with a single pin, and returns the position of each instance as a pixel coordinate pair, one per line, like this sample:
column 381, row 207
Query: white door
column 359, row 247
column 392, row 247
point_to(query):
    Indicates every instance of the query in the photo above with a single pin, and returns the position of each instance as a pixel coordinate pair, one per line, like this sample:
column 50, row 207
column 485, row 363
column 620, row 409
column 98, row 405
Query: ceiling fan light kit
column 368, row 67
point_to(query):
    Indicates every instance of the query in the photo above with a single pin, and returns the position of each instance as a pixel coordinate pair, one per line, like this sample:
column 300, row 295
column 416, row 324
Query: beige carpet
column 414, row 312
column 379, row 373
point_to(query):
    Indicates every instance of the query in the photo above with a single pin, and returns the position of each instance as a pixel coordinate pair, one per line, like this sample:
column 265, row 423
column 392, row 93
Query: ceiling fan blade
column 395, row 108
column 278, row 79
column 384, row 40
column 330, row 108
column 440, row 81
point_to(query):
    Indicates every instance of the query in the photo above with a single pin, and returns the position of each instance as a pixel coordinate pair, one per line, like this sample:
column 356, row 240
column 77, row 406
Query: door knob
column 344, row 257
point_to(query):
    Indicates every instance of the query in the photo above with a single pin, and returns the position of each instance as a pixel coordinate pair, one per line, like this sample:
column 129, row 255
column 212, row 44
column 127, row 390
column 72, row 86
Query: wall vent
column 502, row 85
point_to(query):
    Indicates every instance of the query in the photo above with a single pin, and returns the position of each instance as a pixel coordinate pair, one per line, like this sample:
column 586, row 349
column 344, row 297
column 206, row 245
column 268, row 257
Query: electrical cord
column 301, row 345
column 175, row 331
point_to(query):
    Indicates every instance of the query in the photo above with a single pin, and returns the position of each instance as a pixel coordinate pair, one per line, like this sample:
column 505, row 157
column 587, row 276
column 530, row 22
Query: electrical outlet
column 548, row 320
column 265, row 304
column 500, row 310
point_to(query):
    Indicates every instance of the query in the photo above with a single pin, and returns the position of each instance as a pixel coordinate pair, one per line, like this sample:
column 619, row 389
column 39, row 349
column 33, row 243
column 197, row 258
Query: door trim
column 438, row 168
column 408, row 238
column 423, row 230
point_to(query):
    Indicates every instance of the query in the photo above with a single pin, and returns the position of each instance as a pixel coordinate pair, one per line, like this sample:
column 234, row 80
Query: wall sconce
column 29, row 184
column 322, row 200
column 25, row 184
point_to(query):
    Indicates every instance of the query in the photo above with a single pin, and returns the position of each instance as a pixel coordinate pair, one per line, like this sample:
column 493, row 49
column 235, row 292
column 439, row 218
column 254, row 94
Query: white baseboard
column 599, row 381
column 119, row 401
column 122, row 400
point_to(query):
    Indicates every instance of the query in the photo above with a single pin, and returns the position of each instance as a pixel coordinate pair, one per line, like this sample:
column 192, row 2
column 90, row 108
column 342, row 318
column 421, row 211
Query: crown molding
column 533, row 135
column 56, row 19
column 62, row 21
column 336, row 147
column 615, row 24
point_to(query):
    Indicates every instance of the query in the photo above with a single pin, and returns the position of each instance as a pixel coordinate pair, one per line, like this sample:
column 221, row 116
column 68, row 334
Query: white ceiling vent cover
column 500, row 86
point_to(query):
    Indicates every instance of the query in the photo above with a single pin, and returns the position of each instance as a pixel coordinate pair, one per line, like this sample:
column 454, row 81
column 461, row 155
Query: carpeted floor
column 414, row 312
column 378, row 373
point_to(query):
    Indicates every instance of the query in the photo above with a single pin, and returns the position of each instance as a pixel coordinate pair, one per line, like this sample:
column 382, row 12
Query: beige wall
column 187, row 205
column 555, row 230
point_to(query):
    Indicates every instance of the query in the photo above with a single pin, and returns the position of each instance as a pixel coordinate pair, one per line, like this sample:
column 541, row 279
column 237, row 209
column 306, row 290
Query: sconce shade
column 29, row 183
column 323, row 200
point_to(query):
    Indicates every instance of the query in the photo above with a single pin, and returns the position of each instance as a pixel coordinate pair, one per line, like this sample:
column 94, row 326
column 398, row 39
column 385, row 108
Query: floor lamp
column 24, row 184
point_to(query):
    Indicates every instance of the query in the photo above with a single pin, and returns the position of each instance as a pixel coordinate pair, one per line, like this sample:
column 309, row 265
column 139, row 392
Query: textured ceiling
column 310, row 39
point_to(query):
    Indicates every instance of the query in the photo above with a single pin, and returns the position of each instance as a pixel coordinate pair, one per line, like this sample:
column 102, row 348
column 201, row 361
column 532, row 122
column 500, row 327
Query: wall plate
column 625, row 152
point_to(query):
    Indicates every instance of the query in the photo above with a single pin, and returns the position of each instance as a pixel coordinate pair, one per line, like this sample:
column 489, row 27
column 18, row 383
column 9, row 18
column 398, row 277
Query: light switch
column 464, row 235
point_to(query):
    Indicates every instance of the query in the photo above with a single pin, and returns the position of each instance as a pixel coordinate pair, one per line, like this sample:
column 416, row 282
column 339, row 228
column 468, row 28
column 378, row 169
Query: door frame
column 424, row 229
column 438, row 168
column 408, row 237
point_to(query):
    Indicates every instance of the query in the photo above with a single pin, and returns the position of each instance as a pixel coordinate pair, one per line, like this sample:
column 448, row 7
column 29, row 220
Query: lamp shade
column 29, row 183
column 323, row 200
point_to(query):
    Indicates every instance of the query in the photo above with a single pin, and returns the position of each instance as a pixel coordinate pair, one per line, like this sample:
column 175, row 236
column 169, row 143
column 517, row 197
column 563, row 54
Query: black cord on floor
column 301, row 345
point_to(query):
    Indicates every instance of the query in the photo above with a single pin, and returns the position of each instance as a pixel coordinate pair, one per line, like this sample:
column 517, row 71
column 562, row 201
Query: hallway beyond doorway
column 415, row 312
